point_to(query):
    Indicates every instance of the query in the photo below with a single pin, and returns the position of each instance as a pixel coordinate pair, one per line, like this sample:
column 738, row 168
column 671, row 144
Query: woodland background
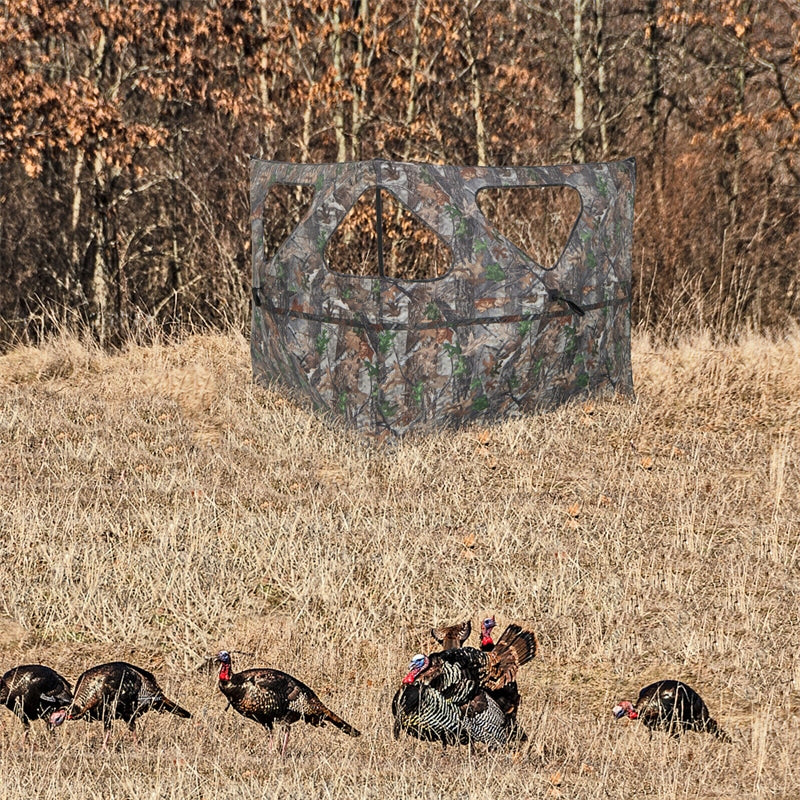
column 125, row 132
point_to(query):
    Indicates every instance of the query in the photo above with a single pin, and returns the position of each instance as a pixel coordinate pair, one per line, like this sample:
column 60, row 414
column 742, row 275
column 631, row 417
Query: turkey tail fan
column 513, row 649
column 520, row 641
column 452, row 637
column 174, row 708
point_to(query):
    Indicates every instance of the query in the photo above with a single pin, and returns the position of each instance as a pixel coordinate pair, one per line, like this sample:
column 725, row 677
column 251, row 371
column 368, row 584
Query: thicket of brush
column 156, row 506
column 126, row 127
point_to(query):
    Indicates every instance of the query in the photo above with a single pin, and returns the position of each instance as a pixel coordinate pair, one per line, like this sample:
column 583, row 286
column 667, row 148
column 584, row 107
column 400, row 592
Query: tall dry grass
column 156, row 506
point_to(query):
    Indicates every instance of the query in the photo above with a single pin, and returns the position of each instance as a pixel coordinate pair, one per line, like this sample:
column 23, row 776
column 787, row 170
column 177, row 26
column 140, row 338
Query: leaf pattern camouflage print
column 497, row 335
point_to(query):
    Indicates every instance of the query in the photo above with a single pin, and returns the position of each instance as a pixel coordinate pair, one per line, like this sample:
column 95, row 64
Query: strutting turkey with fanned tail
column 117, row 690
column 34, row 691
column 673, row 707
column 447, row 696
column 269, row 696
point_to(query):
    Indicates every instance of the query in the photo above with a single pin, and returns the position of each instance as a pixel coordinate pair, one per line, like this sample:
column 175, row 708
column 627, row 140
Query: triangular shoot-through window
column 284, row 207
column 411, row 250
column 537, row 219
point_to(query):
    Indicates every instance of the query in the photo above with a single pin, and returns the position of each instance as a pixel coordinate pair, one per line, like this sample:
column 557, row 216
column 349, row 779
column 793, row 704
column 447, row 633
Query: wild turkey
column 452, row 636
column 428, row 714
column 673, row 707
column 116, row 691
column 431, row 717
column 268, row 696
column 33, row 691
column 448, row 696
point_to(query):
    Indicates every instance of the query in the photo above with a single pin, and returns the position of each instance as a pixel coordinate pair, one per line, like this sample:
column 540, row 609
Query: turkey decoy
column 34, row 691
column 269, row 696
column 117, row 690
column 673, row 707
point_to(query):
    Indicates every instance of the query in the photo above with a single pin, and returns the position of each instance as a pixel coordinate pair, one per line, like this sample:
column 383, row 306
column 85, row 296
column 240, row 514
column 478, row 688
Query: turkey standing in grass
column 673, row 707
column 429, row 715
column 268, row 696
column 432, row 717
column 116, row 691
column 34, row 691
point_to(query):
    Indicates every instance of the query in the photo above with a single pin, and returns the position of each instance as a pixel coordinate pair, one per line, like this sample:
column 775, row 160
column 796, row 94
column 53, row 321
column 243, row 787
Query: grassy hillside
column 155, row 506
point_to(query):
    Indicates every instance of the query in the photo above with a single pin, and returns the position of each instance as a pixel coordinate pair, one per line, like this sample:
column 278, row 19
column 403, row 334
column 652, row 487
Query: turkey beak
column 410, row 677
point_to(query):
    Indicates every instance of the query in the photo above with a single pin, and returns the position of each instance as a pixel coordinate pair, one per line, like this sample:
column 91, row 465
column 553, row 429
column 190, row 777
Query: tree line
column 126, row 128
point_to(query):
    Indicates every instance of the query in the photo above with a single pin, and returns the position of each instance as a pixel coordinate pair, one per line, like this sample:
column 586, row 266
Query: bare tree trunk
column 578, row 86
column 305, row 140
column 263, row 86
column 305, row 135
column 653, row 97
column 77, row 196
column 476, row 98
column 740, row 78
column 600, row 54
column 411, row 106
column 356, row 105
column 338, row 111
column 98, row 284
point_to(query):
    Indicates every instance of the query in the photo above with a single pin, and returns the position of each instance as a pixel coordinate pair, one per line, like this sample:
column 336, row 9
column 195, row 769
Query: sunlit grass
column 155, row 506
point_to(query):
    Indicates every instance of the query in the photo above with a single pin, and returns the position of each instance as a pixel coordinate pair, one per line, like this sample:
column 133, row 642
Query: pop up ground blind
column 497, row 335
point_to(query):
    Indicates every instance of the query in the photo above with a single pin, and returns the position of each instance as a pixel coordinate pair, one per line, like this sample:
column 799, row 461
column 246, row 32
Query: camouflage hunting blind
column 497, row 335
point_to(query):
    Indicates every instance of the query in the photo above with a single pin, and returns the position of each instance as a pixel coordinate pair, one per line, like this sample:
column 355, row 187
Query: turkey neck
column 225, row 673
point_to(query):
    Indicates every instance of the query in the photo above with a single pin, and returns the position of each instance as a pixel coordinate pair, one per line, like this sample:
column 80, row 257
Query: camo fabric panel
column 497, row 335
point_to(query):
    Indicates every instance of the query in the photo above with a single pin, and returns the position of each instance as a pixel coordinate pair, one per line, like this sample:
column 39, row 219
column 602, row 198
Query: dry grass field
column 155, row 506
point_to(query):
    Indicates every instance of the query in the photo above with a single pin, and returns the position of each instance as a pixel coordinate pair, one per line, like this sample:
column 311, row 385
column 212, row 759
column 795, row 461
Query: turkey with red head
column 487, row 626
column 34, row 691
column 673, row 707
column 117, row 690
column 269, row 696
